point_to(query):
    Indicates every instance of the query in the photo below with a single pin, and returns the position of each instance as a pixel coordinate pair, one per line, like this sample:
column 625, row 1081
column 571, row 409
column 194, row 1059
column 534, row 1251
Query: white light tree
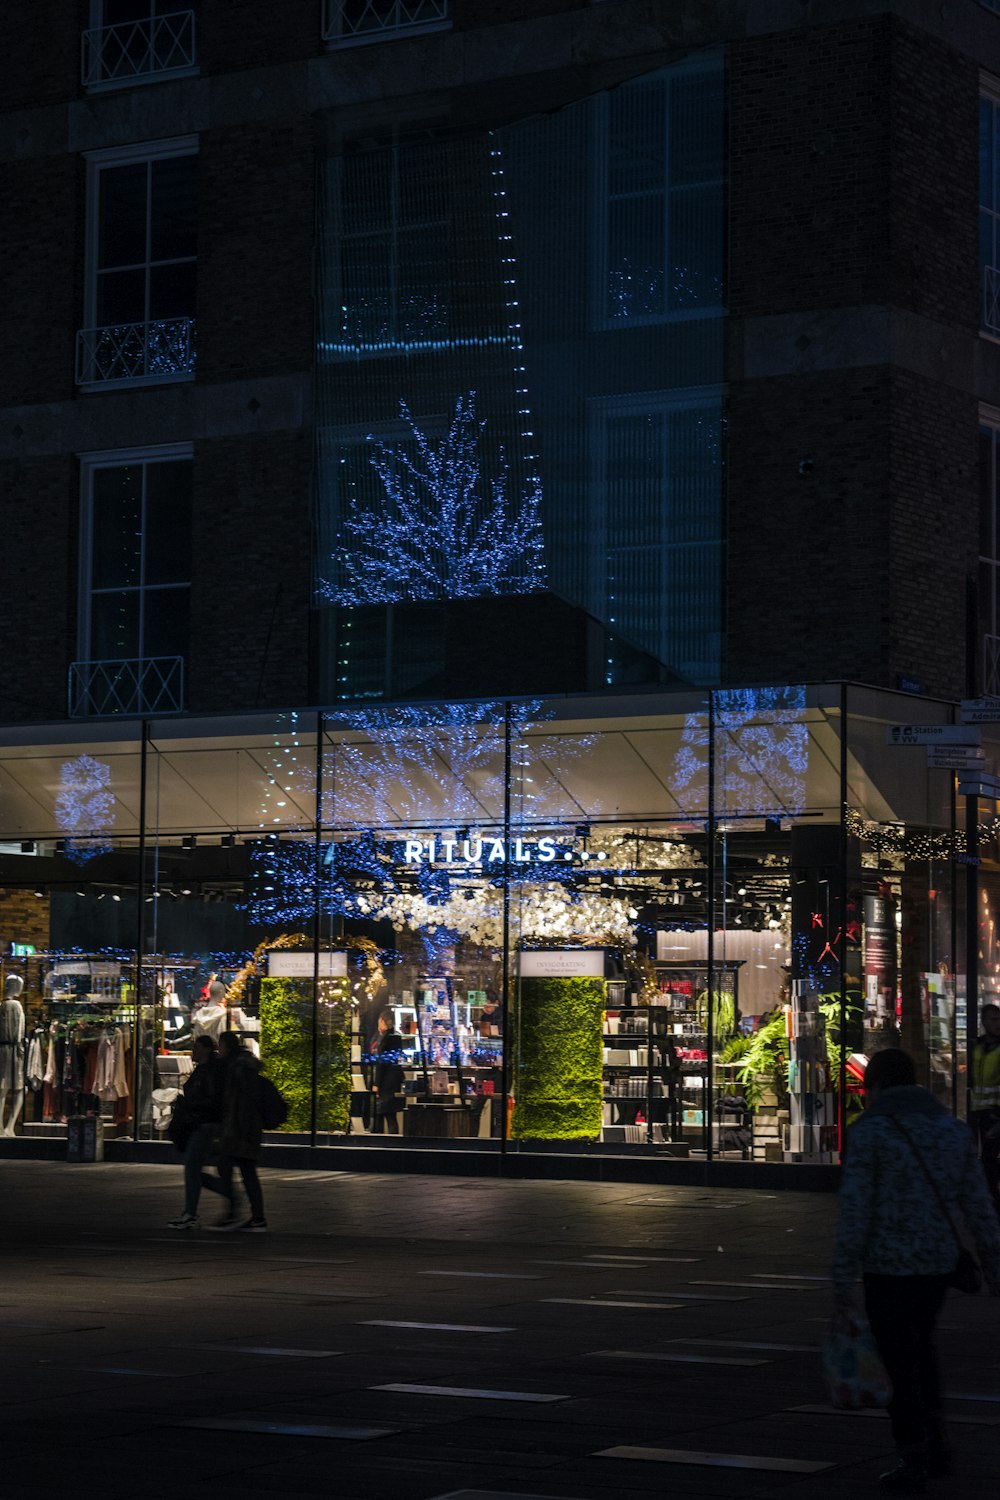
column 442, row 530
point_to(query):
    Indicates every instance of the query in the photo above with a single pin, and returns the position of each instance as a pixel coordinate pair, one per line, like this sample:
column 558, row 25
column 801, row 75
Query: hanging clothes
column 35, row 1065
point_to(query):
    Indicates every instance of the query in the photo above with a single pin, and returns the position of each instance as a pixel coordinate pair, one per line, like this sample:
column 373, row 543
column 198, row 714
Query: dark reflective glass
column 168, row 522
column 117, row 527
column 121, row 298
column 114, row 626
column 165, row 626
column 172, row 291
column 122, row 217
column 173, row 217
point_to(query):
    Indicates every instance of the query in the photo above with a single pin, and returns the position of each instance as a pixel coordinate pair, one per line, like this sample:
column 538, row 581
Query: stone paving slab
column 220, row 1365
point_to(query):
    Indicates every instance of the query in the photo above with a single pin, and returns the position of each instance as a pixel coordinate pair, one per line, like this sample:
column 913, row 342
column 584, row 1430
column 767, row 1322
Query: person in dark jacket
column 389, row 1076
column 202, row 1110
column 240, row 1132
column 909, row 1168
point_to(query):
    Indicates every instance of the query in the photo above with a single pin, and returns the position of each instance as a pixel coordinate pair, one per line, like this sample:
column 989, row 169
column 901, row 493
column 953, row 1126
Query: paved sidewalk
column 435, row 1337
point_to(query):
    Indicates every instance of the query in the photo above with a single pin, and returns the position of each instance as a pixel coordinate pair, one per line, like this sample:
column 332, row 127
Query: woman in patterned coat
column 893, row 1232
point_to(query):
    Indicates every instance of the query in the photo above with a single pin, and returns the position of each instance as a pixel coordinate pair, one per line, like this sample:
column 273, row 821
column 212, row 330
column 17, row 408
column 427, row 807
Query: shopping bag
column 855, row 1375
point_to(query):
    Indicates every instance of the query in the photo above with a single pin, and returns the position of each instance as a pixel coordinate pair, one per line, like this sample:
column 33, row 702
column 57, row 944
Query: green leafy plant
column 723, row 1014
column 286, row 1021
column 558, row 1081
column 765, row 1061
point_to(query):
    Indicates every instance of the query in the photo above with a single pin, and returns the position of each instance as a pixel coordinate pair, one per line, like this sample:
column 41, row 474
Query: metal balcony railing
column 134, row 50
column 991, row 666
column 366, row 20
column 135, row 351
column 991, row 299
column 154, row 685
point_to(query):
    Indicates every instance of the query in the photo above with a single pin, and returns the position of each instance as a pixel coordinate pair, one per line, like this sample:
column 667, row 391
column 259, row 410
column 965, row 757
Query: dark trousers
column 902, row 1312
column 196, row 1154
column 251, row 1182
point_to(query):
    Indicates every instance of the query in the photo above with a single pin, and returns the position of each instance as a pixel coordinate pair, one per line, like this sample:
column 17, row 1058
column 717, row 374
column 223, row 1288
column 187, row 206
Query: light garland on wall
column 440, row 529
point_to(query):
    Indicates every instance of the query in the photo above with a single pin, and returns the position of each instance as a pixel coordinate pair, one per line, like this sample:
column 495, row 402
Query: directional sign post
column 969, row 758
column 980, row 710
column 932, row 734
column 978, row 784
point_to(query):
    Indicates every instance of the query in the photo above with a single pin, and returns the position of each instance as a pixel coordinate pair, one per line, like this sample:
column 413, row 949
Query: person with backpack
column 240, row 1131
column 194, row 1123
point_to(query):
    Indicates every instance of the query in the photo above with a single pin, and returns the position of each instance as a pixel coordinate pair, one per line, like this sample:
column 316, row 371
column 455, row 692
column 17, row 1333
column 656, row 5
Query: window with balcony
column 136, row 582
column 989, row 211
column 348, row 22
column 660, row 208
column 140, row 292
column 137, row 41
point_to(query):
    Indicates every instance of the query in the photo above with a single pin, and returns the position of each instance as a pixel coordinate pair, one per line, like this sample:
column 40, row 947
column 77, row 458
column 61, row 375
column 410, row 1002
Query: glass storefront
column 667, row 925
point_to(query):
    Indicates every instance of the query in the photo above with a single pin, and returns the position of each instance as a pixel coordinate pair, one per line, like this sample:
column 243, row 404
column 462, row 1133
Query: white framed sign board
column 562, row 963
column 303, row 965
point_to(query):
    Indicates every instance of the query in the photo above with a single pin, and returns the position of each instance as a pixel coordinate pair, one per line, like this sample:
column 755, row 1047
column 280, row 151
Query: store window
column 141, row 266
column 659, row 190
column 136, row 580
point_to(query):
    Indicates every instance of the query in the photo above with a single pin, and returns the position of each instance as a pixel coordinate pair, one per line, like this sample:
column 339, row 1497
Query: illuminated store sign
column 445, row 850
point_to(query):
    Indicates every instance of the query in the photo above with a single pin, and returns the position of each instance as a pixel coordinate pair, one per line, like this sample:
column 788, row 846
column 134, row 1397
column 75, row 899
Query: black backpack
column 273, row 1107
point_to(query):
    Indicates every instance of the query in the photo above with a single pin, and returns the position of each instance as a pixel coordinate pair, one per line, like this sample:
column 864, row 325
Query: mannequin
column 11, row 1054
column 176, row 1026
column 211, row 1017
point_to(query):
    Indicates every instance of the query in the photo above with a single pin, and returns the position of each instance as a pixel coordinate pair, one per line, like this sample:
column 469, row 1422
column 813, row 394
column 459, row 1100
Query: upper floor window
column 135, row 581
column 137, row 41
column 659, row 199
column 140, row 289
column 346, row 22
column 989, row 210
column 988, row 590
column 392, row 266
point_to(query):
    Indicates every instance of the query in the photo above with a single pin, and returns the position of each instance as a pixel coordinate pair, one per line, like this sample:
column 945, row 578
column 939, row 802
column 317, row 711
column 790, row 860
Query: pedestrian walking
column 200, row 1114
column 985, row 1097
column 910, row 1171
column 240, row 1132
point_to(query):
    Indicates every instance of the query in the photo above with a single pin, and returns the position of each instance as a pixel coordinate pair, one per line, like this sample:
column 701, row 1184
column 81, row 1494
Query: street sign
column 932, row 734
column 980, row 710
column 971, row 785
column 956, row 757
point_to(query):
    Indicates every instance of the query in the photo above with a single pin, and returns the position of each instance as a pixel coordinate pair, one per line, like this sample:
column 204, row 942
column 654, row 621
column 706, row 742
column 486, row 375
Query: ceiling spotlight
column 228, row 840
column 27, row 846
column 189, row 841
column 40, row 894
column 115, row 896
column 582, row 830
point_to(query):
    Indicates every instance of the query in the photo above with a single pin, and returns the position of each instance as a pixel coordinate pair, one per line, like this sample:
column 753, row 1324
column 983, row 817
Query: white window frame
column 90, row 463
column 600, row 215
column 138, row 80
column 97, row 161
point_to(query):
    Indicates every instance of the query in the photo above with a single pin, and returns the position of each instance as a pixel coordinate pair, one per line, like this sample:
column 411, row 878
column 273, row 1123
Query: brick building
column 387, row 352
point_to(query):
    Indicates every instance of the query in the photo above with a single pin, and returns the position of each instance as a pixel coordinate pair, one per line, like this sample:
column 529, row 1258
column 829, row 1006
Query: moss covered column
column 286, row 1050
column 559, row 1064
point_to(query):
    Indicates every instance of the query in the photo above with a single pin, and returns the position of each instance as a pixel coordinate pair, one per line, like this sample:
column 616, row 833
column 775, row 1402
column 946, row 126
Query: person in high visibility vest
column 985, row 1097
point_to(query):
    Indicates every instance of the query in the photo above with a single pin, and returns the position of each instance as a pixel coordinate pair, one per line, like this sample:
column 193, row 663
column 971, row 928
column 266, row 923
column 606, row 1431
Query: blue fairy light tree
column 441, row 529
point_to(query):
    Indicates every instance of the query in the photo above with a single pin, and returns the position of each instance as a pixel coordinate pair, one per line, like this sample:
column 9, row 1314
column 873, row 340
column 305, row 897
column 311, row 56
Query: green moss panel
column 559, row 1068
column 286, row 1013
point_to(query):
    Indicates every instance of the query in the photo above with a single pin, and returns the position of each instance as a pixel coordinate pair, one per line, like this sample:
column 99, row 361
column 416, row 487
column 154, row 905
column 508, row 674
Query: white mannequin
column 211, row 1017
column 11, row 1054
